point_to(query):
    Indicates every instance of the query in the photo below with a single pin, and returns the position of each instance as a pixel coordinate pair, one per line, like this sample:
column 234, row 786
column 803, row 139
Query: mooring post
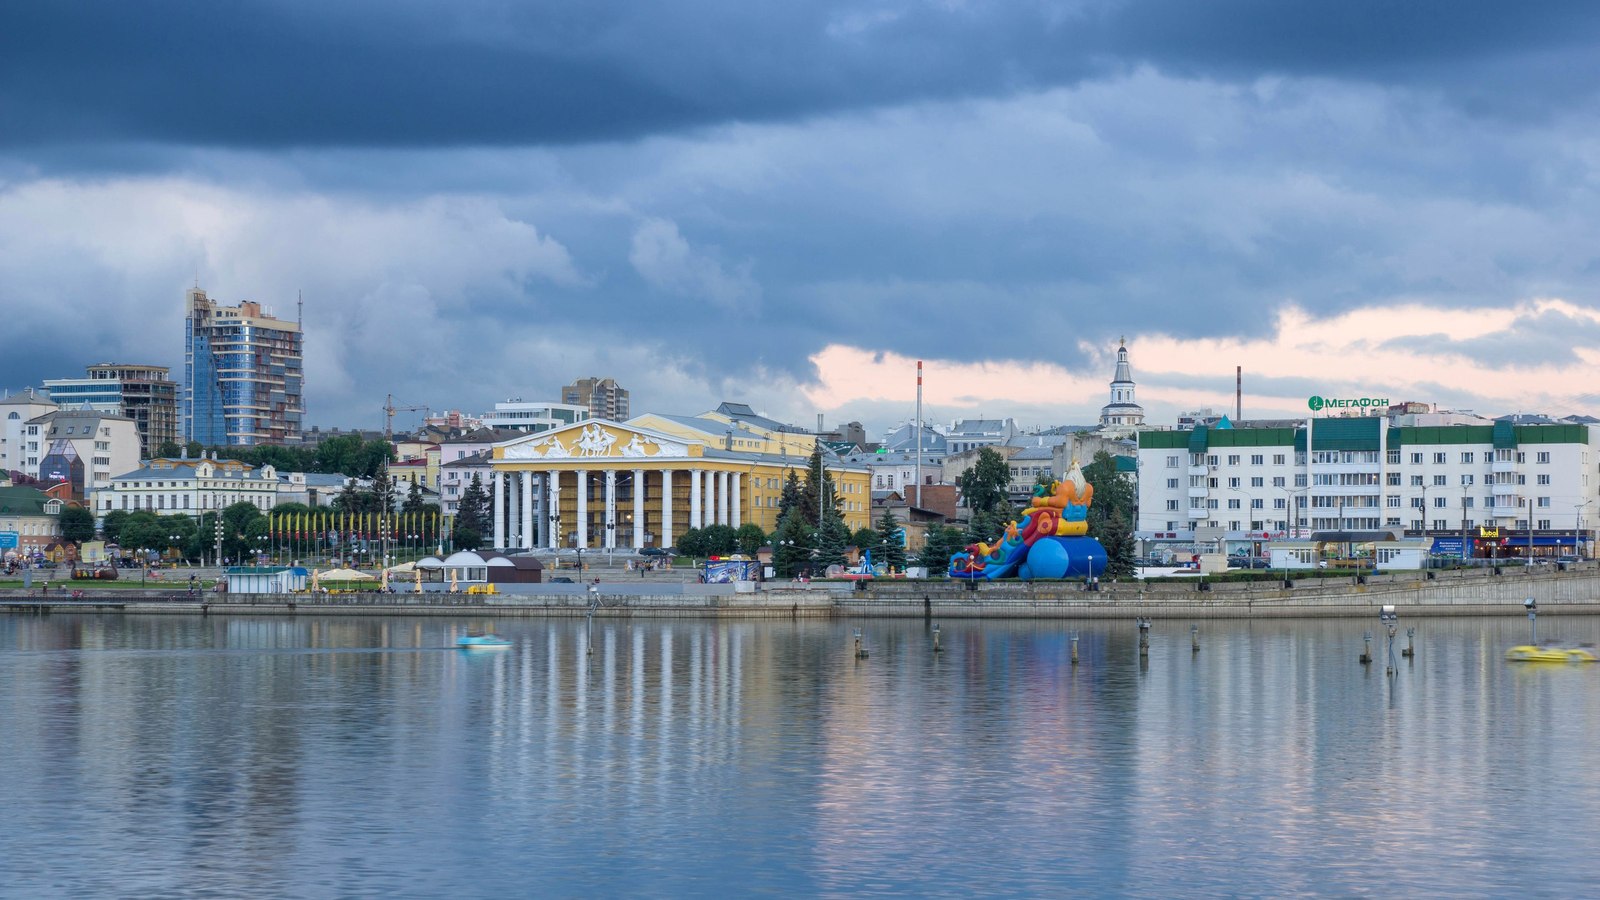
column 861, row 652
column 936, row 647
column 1533, row 621
column 588, row 629
column 1144, row 638
column 1411, row 644
column 1194, row 638
column 1074, row 648
column 1366, row 654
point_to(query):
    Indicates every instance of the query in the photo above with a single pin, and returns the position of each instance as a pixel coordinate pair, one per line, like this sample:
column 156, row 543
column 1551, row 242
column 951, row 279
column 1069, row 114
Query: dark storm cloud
column 478, row 72
column 273, row 74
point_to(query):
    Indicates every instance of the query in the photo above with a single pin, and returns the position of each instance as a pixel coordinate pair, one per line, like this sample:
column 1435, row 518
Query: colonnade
column 531, row 509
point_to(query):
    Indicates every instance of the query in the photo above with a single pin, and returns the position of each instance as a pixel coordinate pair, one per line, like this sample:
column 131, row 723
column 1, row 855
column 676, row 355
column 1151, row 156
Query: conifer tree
column 791, row 546
column 1118, row 541
column 890, row 541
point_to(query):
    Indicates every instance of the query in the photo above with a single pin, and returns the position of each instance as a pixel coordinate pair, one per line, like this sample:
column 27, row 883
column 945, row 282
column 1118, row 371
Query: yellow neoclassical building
column 604, row 484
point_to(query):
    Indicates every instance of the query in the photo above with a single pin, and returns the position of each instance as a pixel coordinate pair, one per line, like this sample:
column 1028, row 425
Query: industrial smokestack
column 1238, row 393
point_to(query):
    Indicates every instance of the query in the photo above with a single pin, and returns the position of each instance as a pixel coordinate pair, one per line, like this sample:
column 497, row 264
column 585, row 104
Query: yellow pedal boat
column 1533, row 653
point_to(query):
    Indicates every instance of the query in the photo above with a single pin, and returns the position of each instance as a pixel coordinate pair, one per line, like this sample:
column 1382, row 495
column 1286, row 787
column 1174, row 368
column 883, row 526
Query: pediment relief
column 595, row 440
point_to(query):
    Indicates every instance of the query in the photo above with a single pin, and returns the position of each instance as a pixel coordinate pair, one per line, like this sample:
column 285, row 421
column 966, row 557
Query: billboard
column 724, row 571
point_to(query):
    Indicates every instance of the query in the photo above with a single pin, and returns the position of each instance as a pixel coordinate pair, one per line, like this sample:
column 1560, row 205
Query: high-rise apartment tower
column 604, row 397
column 243, row 375
column 142, row 393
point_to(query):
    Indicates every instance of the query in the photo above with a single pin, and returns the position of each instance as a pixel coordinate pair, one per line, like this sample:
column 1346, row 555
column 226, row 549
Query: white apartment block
column 189, row 486
column 1513, row 485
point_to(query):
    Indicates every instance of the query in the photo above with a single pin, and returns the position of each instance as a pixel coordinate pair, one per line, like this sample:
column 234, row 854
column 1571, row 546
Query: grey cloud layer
column 491, row 72
column 697, row 198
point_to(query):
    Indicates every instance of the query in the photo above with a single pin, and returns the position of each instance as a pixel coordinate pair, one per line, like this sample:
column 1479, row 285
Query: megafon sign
column 1318, row 404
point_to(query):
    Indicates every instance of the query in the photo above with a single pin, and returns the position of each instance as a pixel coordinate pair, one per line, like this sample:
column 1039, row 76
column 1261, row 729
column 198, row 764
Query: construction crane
column 389, row 409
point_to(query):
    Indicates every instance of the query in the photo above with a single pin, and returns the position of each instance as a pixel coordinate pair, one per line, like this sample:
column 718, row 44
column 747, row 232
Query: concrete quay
column 1469, row 593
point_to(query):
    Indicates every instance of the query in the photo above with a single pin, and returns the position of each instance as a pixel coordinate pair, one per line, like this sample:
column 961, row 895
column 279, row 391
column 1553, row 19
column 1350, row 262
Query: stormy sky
column 787, row 204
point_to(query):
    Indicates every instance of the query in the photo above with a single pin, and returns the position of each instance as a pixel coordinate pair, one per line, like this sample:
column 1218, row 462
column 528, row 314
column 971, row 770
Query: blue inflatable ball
column 1048, row 558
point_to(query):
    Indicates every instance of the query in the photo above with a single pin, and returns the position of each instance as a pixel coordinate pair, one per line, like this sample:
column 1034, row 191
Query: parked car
column 655, row 551
column 561, row 579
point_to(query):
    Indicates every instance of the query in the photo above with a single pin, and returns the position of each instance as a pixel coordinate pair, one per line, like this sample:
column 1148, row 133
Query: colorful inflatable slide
column 1049, row 541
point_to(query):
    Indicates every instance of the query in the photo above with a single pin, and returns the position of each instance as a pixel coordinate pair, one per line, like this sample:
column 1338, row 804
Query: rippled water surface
column 245, row 757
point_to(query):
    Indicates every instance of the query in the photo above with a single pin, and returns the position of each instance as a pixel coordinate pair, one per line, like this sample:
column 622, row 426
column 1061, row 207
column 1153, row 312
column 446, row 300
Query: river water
column 348, row 756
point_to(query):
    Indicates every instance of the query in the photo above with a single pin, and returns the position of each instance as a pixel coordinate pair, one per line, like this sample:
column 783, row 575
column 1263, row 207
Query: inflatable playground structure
column 1049, row 541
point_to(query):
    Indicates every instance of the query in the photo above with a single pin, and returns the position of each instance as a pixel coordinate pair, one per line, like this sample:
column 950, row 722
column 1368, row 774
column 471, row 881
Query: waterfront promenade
column 1449, row 593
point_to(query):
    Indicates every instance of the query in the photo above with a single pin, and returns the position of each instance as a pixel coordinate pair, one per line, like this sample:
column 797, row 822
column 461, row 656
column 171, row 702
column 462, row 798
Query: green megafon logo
column 1318, row 404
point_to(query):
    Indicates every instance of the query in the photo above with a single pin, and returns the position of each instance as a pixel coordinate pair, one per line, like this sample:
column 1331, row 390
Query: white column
column 528, row 535
column 611, row 509
column 666, row 508
column 638, row 508
column 583, row 508
column 499, row 509
column 722, row 498
column 513, row 511
column 552, row 503
column 694, row 498
column 737, row 504
column 709, row 513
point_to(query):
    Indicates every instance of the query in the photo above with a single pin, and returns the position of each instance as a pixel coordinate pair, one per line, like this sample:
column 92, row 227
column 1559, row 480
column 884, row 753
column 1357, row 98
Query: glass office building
column 243, row 375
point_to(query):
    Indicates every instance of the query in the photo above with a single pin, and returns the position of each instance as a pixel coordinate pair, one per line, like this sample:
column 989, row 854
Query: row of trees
column 347, row 454
column 290, row 530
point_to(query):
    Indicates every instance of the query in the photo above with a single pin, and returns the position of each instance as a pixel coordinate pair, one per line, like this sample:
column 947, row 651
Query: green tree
column 751, row 539
column 1117, row 538
column 832, row 540
column 111, row 525
column 242, row 523
column 178, row 532
column 76, row 524
column 129, row 534
column 865, row 539
column 355, row 499
column 719, row 540
column 890, row 549
column 1114, row 493
column 692, row 543
column 818, row 481
column 414, row 503
column 983, row 487
column 791, row 546
column 941, row 543
column 376, row 456
column 474, row 516
column 195, row 448
column 341, row 455
column 793, row 494
column 168, row 450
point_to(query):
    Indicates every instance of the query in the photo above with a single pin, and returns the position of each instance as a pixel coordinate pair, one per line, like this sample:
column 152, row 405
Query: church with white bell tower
column 1122, row 414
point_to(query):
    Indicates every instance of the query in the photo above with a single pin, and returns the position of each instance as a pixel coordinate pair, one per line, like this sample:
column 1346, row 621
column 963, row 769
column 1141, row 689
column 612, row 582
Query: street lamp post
column 175, row 538
column 1577, row 528
column 1528, row 564
column 218, row 529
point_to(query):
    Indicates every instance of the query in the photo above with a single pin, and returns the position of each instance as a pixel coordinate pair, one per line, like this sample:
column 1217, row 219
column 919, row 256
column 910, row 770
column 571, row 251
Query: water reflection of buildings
column 248, row 752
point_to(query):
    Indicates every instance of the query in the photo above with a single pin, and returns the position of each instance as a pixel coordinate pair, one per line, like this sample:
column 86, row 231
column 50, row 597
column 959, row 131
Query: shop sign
column 1318, row 404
